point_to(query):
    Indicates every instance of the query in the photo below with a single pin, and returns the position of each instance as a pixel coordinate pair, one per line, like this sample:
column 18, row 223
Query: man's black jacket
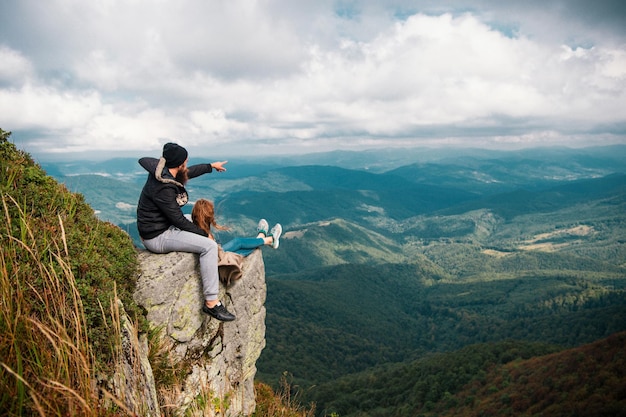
column 163, row 197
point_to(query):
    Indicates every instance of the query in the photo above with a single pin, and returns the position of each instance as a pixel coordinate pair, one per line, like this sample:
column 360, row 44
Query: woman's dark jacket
column 163, row 197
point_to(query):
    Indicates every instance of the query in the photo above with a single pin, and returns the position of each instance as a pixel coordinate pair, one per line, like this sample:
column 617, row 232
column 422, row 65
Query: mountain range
column 390, row 256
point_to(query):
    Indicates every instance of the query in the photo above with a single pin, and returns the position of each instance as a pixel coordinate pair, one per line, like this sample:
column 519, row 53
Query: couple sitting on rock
column 164, row 228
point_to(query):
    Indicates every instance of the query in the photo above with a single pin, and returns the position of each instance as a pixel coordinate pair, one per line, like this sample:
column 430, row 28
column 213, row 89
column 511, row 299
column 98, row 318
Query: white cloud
column 43, row 107
column 15, row 68
column 115, row 75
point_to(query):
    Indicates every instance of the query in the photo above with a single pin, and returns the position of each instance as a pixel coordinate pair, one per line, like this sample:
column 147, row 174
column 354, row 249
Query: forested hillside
column 545, row 275
column 496, row 379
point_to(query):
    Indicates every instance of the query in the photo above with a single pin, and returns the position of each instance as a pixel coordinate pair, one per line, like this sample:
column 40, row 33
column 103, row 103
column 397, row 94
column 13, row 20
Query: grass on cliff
column 60, row 270
column 282, row 402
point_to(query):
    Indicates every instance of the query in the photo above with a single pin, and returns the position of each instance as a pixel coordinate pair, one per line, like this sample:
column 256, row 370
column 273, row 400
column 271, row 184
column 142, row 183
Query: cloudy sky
column 112, row 77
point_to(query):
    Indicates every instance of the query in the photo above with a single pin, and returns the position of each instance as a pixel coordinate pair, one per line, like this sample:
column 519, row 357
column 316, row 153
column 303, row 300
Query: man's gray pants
column 176, row 240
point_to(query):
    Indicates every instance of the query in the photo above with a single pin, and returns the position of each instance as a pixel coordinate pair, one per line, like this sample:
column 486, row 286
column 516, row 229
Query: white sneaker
column 276, row 231
column 262, row 227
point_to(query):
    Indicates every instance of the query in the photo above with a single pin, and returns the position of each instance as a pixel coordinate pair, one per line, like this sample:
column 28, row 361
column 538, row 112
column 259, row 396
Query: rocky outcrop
column 219, row 359
column 133, row 381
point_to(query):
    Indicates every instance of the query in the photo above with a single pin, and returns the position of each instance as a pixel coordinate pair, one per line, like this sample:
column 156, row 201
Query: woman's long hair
column 203, row 215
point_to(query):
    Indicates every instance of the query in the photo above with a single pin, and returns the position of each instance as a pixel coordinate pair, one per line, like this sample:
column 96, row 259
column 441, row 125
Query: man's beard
column 182, row 176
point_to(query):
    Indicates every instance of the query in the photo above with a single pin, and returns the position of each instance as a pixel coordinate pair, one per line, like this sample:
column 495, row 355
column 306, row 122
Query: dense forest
column 496, row 379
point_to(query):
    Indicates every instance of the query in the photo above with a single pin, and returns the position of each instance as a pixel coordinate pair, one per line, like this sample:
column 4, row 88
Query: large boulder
column 219, row 357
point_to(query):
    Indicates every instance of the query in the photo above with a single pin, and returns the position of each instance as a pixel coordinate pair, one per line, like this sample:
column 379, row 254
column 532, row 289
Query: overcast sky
column 290, row 76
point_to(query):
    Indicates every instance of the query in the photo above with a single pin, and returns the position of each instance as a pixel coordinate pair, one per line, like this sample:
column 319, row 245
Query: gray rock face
column 220, row 357
column 133, row 381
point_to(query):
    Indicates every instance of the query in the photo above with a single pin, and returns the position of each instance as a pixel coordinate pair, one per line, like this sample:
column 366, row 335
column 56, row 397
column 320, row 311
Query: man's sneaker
column 218, row 312
column 276, row 231
column 262, row 227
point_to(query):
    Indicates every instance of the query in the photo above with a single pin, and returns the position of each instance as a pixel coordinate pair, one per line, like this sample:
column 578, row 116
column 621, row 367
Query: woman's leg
column 243, row 245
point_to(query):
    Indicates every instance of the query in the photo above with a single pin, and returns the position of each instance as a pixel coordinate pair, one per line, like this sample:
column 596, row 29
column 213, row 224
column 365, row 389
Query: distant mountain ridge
column 521, row 201
column 580, row 162
column 432, row 176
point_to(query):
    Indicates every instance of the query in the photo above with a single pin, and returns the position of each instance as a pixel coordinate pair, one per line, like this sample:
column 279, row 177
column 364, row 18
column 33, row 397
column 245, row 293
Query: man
column 164, row 228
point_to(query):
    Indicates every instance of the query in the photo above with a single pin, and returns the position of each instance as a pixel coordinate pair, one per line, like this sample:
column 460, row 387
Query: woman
column 203, row 215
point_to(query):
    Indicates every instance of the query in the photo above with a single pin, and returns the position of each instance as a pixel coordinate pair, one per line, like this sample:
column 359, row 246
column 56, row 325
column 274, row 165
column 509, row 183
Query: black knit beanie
column 174, row 155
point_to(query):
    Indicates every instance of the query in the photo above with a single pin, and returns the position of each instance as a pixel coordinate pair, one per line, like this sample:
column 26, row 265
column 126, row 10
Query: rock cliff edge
column 219, row 358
